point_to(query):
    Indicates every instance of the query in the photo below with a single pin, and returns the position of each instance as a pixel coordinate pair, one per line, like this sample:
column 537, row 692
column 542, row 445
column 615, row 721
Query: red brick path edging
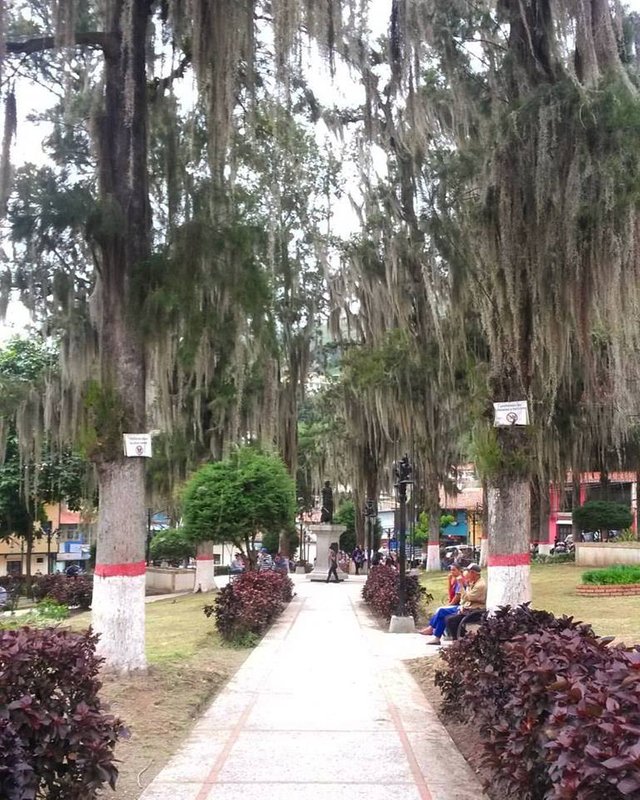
column 608, row 590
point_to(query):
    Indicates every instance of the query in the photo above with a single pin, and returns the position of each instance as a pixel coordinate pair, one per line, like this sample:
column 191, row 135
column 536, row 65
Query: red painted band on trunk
column 120, row 570
column 513, row 560
column 204, row 558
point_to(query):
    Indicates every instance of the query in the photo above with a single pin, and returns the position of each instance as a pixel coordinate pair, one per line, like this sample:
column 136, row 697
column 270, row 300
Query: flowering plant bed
column 608, row 590
column 617, row 580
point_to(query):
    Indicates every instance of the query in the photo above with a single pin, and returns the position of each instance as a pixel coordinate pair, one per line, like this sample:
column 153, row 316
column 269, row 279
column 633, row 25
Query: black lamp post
column 301, row 510
column 402, row 474
column 369, row 517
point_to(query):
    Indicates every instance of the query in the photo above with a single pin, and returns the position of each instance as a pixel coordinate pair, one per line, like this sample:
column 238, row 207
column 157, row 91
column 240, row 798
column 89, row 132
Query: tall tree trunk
column 123, row 239
column 432, row 507
column 544, row 512
column 575, row 503
column 371, row 479
column 204, row 578
column 289, row 436
column 29, row 556
column 509, row 500
column 484, row 541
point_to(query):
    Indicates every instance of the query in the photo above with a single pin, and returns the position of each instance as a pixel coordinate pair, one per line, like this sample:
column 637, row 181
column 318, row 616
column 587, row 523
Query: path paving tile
column 323, row 709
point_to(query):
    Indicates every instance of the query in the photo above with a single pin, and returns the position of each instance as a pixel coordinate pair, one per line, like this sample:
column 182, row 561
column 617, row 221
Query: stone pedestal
column 326, row 535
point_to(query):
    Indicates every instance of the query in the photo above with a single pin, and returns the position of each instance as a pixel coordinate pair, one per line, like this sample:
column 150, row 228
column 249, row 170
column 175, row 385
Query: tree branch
column 159, row 85
column 107, row 42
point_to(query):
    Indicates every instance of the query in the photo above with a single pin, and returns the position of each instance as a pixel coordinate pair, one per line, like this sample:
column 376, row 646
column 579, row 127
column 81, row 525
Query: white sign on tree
column 515, row 412
column 137, row 445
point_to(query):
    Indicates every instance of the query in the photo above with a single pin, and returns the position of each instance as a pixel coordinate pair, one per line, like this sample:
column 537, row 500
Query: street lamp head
column 402, row 470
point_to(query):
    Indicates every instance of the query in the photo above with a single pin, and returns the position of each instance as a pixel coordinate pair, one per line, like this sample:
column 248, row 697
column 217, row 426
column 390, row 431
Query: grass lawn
column 554, row 589
column 188, row 664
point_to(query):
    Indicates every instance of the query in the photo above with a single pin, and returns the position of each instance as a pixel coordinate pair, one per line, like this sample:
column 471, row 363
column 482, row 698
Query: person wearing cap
column 472, row 601
column 265, row 561
column 437, row 622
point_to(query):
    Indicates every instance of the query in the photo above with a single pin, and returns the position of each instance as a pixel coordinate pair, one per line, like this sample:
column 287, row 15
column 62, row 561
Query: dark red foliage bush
column 61, row 741
column 17, row 778
column 74, row 591
column 557, row 708
column 250, row 603
column 479, row 668
column 13, row 583
column 380, row 592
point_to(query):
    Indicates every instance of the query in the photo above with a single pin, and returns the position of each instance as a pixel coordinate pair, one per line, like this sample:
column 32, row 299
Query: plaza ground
column 189, row 666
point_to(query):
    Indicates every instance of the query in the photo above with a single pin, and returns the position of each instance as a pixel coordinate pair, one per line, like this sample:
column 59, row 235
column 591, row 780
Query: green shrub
column 50, row 610
column 620, row 574
column 556, row 558
column 171, row 545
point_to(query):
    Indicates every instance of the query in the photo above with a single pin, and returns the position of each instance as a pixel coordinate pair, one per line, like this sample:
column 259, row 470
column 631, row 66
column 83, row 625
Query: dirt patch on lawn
column 159, row 709
column 466, row 738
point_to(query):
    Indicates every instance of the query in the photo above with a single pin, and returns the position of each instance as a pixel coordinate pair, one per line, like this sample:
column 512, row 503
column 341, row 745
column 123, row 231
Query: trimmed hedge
column 380, row 592
column 557, row 708
column 249, row 604
column 56, row 742
column 615, row 575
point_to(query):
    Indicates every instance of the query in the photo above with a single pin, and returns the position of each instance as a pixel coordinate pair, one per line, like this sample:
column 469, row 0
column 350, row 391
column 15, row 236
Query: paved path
column 323, row 709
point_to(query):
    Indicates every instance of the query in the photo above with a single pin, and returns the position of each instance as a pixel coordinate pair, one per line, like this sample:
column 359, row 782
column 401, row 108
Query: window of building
column 39, row 560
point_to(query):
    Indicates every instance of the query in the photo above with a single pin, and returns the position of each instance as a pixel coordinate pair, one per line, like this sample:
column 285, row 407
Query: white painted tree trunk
column 433, row 548
column 509, row 580
column 205, row 581
column 118, row 607
column 433, row 557
column 484, row 551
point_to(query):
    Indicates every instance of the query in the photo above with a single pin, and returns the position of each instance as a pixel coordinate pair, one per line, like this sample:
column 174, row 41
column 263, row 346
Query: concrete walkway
column 323, row 709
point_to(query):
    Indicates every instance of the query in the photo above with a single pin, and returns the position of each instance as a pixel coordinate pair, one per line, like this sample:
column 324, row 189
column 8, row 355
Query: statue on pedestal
column 326, row 514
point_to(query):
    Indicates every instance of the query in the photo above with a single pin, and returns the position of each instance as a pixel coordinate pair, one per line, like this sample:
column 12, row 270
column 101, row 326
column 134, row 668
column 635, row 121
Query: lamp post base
column 402, row 625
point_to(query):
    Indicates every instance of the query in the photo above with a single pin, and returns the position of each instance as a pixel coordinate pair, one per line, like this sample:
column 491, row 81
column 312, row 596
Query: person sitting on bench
column 435, row 628
column 472, row 601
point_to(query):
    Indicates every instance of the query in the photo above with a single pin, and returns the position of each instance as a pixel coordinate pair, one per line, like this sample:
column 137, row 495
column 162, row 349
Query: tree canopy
column 236, row 499
column 602, row 515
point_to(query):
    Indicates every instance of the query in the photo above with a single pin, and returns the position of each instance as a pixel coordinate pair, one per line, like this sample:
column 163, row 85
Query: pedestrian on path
column 333, row 563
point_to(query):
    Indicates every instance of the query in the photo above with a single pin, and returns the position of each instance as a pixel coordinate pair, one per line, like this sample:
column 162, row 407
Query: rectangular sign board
column 512, row 413
column 137, row 445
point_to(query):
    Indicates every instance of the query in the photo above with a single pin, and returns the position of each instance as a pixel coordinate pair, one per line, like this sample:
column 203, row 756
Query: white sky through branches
column 340, row 90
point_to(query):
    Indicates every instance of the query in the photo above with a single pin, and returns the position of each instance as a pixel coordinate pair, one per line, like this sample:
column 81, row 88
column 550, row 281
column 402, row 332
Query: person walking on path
column 358, row 559
column 333, row 563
